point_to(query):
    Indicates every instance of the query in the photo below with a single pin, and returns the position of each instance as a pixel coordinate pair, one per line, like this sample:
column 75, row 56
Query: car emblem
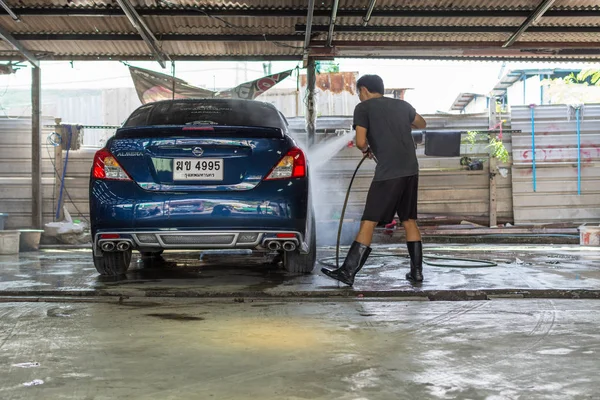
column 197, row 151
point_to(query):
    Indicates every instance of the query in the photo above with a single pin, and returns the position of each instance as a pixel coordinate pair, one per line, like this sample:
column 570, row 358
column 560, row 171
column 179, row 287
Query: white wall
column 525, row 92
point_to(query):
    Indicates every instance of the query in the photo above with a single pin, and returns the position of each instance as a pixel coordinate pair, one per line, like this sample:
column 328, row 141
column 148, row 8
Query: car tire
column 113, row 264
column 295, row 262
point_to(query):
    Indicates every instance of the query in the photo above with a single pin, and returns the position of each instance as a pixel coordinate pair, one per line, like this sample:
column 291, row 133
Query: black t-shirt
column 389, row 133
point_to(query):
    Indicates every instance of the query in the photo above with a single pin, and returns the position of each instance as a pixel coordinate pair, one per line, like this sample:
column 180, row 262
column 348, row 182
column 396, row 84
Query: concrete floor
column 348, row 349
column 550, row 271
column 233, row 327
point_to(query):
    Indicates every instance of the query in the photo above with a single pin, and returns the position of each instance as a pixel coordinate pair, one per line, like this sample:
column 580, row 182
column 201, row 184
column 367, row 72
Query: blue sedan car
column 202, row 174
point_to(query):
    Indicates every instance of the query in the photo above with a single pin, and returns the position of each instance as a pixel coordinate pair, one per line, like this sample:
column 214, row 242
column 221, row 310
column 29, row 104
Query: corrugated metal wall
column 15, row 172
column 292, row 104
column 556, row 198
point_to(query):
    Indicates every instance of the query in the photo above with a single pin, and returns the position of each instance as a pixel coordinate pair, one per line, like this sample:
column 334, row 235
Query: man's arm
column 418, row 123
column 361, row 138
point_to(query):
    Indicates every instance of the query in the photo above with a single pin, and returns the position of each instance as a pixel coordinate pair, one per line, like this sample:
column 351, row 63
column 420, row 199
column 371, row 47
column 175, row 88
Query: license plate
column 206, row 169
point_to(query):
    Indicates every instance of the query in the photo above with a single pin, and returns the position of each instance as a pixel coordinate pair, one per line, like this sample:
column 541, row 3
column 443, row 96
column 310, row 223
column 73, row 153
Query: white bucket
column 9, row 242
column 30, row 240
column 589, row 235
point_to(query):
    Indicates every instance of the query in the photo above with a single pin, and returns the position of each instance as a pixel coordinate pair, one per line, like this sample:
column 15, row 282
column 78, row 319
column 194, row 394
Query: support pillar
column 311, row 109
column 492, row 164
column 36, row 149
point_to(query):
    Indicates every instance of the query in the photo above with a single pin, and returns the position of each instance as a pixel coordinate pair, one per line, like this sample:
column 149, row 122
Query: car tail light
column 107, row 167
column 110, row 236
column 292, row 165
column 286, row 235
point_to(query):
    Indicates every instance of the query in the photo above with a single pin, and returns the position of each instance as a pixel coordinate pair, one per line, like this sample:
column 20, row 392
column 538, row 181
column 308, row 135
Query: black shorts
column 386, row 198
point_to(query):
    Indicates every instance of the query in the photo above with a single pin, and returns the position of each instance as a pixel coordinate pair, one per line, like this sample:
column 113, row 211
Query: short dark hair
column 373, row 83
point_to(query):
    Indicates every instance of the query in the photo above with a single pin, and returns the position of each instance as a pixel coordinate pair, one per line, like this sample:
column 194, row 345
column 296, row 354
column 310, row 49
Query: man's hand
column 368, row 153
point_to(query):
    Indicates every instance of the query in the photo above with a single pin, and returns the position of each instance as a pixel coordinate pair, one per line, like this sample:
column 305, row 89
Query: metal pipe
column 9, row 38
column 123, row 246
column 537, row 13
column 144, row 31
column 331, row 22
column 9, row 11
column 36, row 149
column 274, row 245
column 533, row 147
column 309, row 20
column 577, row 115
column 289, row 246
column 107, row 246
column 367, row 17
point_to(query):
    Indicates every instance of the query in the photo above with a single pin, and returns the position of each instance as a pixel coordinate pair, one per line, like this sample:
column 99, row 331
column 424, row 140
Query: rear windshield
column 208, row 112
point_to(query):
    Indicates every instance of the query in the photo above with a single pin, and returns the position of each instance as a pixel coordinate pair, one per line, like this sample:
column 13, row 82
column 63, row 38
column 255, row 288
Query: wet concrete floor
column 551, row 271
column 234, row 327
column 299, row 349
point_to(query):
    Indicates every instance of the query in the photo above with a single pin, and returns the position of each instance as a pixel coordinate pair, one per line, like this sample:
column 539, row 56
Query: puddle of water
column 556, row 352
column 27, row 365
column 35, row 382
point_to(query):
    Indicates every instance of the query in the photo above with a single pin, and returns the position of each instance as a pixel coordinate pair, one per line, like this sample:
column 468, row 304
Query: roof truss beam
column 447, row 29
column 9, row 11
column 332, row 21
column 531, row 19
column 9, row 38
column 307, row 29
column 164, row 38
column 145, row 32
column 257, row 12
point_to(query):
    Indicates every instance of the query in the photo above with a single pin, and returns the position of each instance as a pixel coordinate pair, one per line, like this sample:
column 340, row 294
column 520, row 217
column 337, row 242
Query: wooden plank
column 557, row 200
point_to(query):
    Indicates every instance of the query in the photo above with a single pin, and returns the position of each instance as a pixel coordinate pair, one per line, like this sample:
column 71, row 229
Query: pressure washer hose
column 324, row 261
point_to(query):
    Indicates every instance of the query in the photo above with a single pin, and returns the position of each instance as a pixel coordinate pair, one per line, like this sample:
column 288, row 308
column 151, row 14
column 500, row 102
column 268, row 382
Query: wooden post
column 311, row 112
column 36, row 149
column 58, row 163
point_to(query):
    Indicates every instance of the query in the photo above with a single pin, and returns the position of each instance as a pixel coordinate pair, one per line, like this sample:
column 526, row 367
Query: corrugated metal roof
column 237, row 27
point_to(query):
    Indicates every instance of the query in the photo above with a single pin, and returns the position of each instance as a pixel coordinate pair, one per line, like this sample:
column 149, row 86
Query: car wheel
column 113, row 264
column 295, row 262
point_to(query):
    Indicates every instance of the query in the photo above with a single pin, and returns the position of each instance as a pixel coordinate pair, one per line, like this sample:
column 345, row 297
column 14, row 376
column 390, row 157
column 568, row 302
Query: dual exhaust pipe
column 115, row 246
column 276, row 245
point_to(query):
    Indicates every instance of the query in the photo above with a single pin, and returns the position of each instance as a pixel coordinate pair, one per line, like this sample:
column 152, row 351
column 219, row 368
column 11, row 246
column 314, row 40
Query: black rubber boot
column 356, row 258
column 415, row 250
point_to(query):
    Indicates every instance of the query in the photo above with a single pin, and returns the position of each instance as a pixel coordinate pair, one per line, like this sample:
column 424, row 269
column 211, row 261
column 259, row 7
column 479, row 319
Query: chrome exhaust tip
column 274, row 245
column 123, row 246
column 289, row 246
column 107, row 246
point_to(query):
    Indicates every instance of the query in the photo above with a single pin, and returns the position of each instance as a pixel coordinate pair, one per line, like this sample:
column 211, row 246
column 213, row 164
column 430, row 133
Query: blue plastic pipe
column 533, row 148
column 578, row 151
column 62, row 181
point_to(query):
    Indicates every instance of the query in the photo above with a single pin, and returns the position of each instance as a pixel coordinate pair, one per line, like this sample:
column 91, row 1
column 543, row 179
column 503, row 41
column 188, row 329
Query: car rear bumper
column 155, row 240
column 210, row 220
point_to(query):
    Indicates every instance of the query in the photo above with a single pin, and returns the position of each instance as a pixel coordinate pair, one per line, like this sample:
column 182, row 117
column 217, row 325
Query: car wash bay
column 232, row 326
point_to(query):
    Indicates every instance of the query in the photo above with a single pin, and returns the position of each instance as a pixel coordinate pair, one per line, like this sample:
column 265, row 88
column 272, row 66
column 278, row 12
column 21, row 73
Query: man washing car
column 384, row 130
